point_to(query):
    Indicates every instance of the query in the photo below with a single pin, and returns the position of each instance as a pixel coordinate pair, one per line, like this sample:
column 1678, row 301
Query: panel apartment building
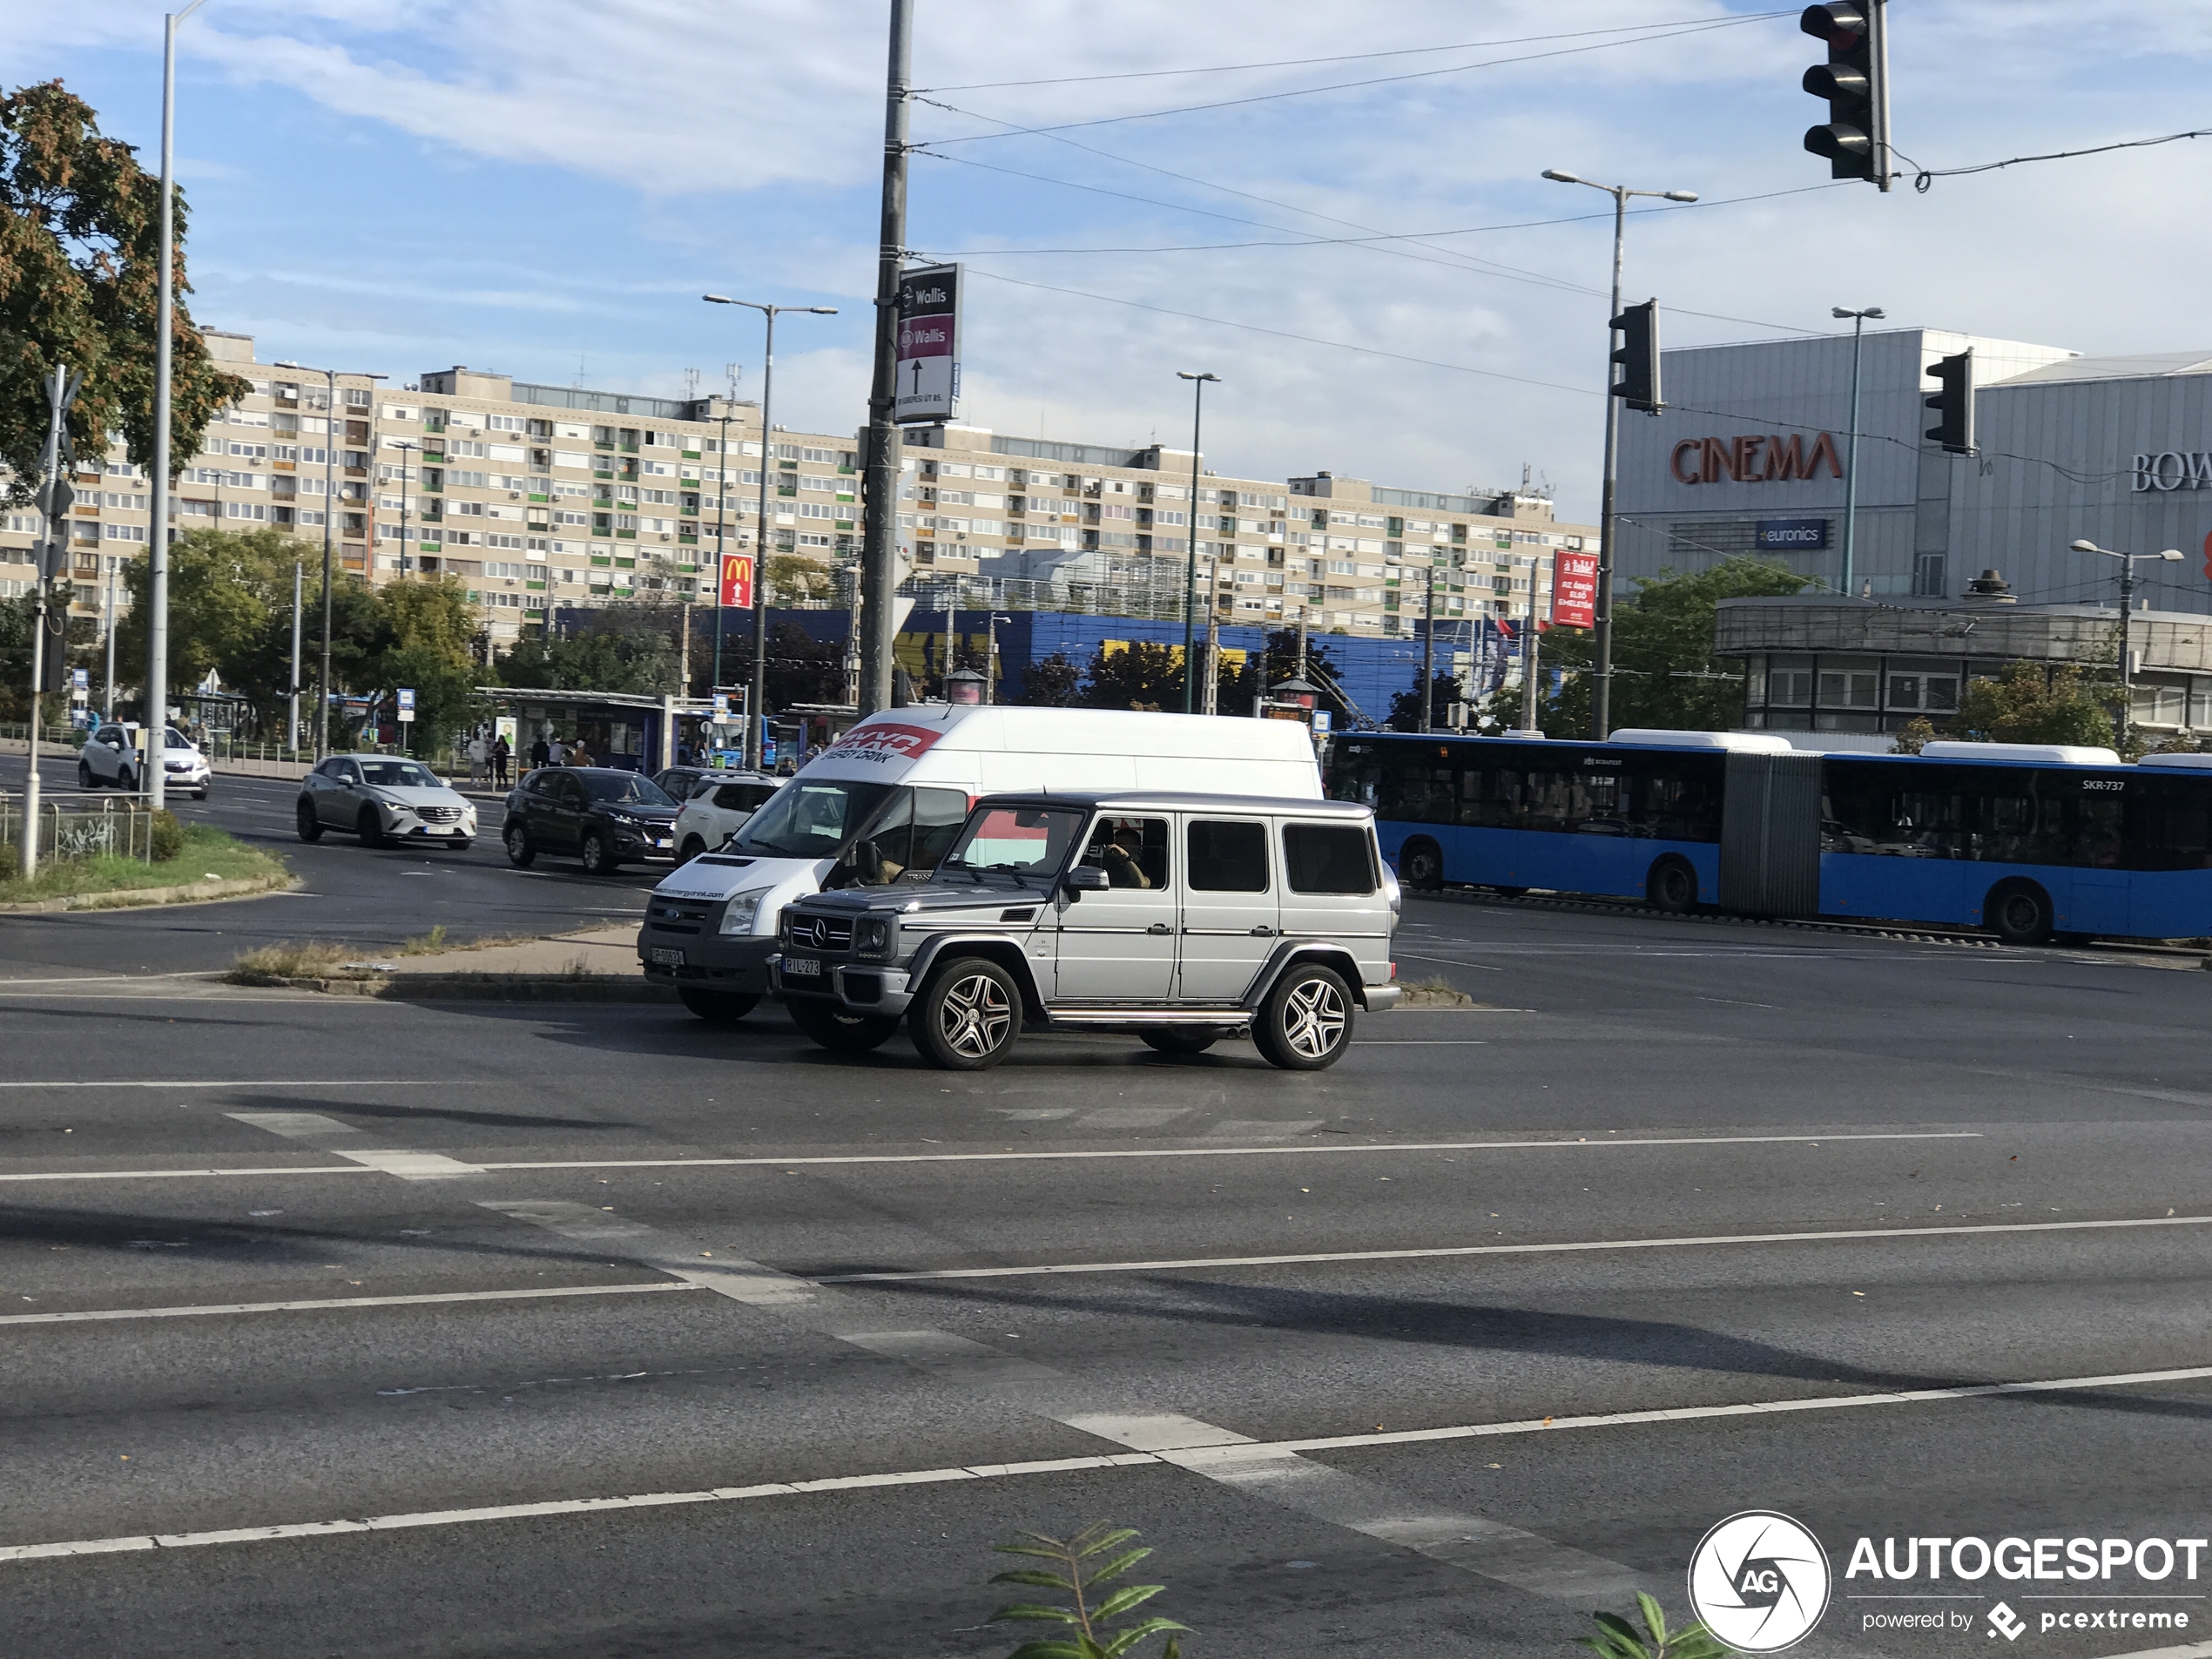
column 533, row 496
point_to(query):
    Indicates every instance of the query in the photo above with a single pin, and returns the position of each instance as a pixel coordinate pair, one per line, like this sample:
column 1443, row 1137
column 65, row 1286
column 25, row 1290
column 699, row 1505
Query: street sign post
column 407, row 705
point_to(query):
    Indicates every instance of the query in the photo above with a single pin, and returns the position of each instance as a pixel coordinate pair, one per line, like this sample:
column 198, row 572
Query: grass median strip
column 1198, row 1458
column 202, row 855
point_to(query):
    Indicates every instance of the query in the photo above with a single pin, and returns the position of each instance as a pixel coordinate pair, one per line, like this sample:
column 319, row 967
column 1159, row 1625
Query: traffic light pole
column 1601, row 618
column 879, row 541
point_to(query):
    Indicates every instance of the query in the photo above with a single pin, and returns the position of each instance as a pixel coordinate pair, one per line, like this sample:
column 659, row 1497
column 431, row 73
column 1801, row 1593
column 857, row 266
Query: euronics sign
column 1787, row 535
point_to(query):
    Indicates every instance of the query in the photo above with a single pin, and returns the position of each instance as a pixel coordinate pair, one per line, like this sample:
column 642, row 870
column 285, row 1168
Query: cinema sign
column 1753, row 460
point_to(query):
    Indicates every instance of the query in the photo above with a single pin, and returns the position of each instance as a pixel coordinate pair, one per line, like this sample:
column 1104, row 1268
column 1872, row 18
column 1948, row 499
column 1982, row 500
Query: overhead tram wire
column 1348, row 86
column 1634, row 31
column 1924, row 177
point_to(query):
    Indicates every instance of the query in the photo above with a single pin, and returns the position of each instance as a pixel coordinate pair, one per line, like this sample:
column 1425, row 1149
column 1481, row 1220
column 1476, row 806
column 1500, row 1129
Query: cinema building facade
column 1959, row 563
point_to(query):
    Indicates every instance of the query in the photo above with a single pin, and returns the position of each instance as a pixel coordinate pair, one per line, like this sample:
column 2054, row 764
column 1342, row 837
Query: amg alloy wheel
column 967, row 1016
column 1306, row 1022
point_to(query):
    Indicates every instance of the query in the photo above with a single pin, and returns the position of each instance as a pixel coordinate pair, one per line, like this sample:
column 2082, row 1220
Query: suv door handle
column 1262, row 933
column 1159, row 928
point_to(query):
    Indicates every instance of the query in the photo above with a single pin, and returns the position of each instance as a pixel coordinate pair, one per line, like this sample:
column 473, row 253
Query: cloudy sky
column 544, row 187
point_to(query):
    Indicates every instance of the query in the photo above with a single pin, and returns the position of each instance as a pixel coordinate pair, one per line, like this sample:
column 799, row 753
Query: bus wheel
column 2019, row 913
column 1672, row 886
column 1422, row 864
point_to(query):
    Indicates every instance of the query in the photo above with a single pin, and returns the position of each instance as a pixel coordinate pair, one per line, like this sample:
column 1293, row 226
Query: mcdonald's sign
column 737, row 581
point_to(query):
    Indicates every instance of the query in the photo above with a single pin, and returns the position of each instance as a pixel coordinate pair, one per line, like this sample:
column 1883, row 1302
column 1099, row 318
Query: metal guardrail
column 71, row 827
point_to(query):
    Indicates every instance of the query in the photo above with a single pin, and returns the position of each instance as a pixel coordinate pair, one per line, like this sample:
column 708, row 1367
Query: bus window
column 2170, row 824
column 1892, row 811
column 2018, row 820
column 2098, row 844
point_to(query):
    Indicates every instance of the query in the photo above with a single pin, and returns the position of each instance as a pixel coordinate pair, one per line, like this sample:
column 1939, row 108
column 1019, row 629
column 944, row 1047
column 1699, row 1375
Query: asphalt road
column 348, row 894
column 1370, row 1356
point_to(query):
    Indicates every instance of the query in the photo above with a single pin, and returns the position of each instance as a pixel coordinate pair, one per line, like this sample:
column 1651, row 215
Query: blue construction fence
column 1369, row 671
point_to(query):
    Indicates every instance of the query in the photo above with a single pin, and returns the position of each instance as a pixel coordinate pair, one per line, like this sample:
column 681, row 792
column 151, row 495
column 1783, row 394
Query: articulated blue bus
column 2027, row 841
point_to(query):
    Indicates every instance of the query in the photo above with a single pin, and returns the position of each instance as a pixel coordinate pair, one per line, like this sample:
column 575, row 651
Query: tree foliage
column 1406, row 706
column 2022, row 705
column 1053, row 682
column 1139, row 675
column 1665, row 672
column 79, row 279
column 226, row 592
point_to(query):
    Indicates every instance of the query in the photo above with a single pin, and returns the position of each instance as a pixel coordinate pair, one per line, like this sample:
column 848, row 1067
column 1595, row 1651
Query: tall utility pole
column 408, row 450
column 1190, row 568
column 107, row 707
column 329, row 508
column 1602, row 643
column 292, row 702
column 1531, row 650
column 879, row 557
column 154, row 717
column 2171, row 555
column 54, row 493
column 1850, row 459
column 722, row 539
column 1428, row 650
column 756, row 707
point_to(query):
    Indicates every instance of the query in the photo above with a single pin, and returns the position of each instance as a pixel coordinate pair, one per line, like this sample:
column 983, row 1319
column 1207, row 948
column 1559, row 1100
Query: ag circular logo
column 1759, row 1580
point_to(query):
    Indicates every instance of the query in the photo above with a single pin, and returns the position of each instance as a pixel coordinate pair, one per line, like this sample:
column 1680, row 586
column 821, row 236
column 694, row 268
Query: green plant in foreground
column 1618, row 1639
column 1092, row 1640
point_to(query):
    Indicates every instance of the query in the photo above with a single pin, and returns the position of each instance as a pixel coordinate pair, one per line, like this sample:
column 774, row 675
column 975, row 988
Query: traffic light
column 1854, row 138
column 1954, row 404
column 1638, row 357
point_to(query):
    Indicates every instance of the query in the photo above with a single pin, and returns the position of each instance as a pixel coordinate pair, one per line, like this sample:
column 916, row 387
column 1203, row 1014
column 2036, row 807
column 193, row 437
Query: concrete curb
column 136, row 898
column 478, row 988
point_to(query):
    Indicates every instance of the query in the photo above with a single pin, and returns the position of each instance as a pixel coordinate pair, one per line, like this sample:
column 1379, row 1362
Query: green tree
column 18, row 616
column 794, row 578
column 1052, row 682
column 80, row 258
column 632, row 649
column 1406, row 706
column 425, row 639
column 1136, row 676
column 225, row 593
column 1665, row 672
column 2022, row 705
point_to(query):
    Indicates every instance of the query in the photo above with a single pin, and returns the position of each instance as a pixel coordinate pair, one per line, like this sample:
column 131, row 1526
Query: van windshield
column 807, row 820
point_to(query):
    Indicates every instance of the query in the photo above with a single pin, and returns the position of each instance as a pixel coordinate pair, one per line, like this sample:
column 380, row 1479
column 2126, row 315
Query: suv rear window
column 1327, row 858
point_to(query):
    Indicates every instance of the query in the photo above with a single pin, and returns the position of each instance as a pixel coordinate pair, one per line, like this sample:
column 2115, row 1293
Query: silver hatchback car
column 1182, row 919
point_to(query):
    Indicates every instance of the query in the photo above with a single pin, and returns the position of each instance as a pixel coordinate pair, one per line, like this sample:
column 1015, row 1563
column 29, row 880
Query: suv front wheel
column 1305, row 1024
column 835, row 1029
column 967, row 1017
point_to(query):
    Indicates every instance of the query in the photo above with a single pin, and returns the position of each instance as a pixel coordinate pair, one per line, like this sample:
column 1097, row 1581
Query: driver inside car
column 1119, row 850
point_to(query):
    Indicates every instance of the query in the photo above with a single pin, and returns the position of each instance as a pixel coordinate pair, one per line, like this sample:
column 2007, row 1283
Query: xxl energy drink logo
column 883, row 742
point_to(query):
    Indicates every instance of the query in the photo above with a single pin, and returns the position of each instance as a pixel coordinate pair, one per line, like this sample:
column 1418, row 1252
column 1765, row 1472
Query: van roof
column 1002, row 727
column 1171, row 801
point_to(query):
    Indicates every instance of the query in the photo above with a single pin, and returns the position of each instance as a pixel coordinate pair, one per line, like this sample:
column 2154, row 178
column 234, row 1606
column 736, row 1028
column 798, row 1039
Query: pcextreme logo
column 1759, row 1580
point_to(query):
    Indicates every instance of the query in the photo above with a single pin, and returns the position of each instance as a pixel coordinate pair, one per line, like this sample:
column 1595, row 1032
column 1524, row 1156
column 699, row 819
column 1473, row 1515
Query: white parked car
column 111, row 757
column 717, row 808
column 384, row 800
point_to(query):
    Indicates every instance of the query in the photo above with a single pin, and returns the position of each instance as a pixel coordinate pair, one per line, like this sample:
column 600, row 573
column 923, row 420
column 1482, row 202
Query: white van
column 885, row 801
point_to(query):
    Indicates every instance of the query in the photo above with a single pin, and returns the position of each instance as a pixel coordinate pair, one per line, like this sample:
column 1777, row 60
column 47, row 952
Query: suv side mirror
column 1086, row 878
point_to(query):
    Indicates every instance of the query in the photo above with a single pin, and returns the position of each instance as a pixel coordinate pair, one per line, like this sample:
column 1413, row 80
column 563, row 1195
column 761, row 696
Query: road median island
column 193, row 865
column 597, row 966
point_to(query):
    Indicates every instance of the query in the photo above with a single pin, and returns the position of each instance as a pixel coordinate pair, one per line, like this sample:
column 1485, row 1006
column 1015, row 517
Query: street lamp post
column 1851, row 454
column 2172, row 555
column 1601, row 666
column 329, row 499
column 1190, row 564
column 756, row 713
column 155, row 716
column 406, row 448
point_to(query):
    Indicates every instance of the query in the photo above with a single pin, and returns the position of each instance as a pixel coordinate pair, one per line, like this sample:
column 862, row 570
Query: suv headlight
column 872, row 937
column 739, row 915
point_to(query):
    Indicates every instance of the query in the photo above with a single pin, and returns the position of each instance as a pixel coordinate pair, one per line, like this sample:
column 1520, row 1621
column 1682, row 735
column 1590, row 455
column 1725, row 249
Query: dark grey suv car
column 1182, row 919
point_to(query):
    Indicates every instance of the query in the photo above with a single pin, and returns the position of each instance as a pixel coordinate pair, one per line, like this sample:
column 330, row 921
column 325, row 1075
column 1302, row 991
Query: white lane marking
column 731, row 1276
column 296, row 1126
column 1245, row 1129
column 315, row 1128
column 98, row 1315
column 250, row 1083
column 1583, row 1144
column 1419, row 1043
column 1299, row 1150
column 1446, row 1251
column 1194, row 1458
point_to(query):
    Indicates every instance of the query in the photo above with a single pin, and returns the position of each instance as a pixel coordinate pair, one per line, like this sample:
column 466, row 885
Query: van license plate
column 666, row 957
column 802, row 967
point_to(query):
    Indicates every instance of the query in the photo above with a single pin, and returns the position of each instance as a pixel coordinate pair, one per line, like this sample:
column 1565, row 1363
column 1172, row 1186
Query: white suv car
column 717, row 809
column 1180, row 919
column 385, row 800
column 111, row 757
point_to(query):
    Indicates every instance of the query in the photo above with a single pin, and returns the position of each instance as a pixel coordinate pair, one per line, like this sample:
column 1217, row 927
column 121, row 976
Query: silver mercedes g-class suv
column 1182, row 919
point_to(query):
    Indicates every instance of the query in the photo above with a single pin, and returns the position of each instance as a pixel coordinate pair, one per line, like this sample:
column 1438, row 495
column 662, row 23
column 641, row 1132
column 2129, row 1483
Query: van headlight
column 740, row 914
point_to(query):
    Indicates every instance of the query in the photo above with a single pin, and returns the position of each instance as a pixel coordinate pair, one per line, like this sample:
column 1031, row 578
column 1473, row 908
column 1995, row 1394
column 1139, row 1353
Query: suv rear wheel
column 840, row 1032
column 1305, row 1024
column 967, row 1016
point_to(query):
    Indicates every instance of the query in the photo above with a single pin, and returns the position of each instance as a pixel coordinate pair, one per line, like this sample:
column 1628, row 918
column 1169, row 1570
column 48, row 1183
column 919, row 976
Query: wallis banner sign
column 1753, row 459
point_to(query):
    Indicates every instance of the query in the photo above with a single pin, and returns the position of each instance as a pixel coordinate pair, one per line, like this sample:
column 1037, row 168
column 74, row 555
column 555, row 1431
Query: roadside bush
column 168, row 836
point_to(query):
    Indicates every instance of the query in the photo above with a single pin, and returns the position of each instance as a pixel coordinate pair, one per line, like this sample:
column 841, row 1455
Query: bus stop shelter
column 635, row 732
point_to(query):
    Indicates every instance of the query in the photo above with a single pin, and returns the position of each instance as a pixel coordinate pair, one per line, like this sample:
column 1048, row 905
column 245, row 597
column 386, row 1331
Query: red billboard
column 737, row 581
column 1574, row 589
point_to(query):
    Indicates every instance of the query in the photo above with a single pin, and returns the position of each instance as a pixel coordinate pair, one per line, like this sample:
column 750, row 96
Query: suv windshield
column 398, row 774
column 1020, row 842
column 810, row 820
column 629, row 788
